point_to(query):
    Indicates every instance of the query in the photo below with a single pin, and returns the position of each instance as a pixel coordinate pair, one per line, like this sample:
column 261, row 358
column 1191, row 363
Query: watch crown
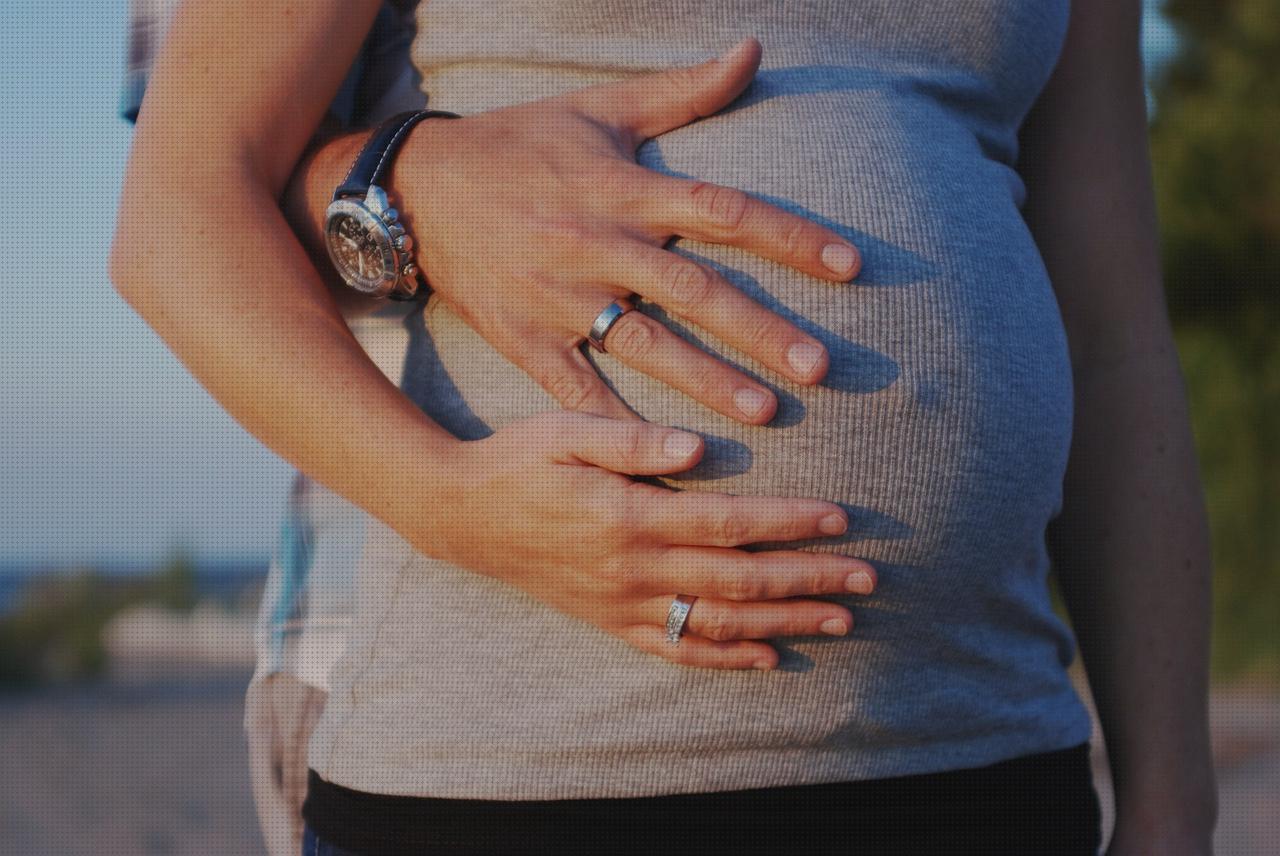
column 403, row 243
column 407, row 288
column 376, row 200
column 390, row 215
column 395, row 230
column 409, row 271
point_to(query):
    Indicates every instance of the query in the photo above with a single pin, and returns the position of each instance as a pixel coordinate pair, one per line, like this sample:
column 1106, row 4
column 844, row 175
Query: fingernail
column 833, row 524
column 803, row 357
column 839, row 258
column 762, row 665
column 834, row 627
column 751, row 402
column 680, row 445
column 859, row 581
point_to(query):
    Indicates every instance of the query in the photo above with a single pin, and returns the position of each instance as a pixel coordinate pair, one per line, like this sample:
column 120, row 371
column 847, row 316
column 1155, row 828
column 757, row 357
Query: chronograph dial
column 366, row 243
column 362, row 248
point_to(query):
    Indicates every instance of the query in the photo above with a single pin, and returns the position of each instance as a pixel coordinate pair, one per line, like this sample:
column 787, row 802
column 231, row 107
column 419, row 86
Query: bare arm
column 1131, row 547
column 205, row 255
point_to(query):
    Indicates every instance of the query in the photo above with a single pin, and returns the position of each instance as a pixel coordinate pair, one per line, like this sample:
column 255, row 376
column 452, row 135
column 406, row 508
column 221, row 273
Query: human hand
column 280, row 712
column 536, row 216
column 546, row 507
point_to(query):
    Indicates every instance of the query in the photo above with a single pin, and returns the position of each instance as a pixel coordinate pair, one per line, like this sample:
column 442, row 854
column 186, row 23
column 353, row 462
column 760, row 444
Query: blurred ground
column 153, row 762
column 128, row 767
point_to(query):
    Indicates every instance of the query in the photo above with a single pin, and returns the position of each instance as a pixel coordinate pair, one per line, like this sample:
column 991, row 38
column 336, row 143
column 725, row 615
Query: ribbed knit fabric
column 943, row 426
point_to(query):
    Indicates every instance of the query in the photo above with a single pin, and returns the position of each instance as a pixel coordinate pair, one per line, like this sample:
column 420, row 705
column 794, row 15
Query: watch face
column 360, row 246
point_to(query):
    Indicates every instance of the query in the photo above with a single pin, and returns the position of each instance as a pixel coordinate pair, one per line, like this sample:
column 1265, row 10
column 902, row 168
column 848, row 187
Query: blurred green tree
column 1215, row 141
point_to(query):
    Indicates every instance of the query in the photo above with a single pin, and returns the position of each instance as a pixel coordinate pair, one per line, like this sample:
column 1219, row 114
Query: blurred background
column 137, row 519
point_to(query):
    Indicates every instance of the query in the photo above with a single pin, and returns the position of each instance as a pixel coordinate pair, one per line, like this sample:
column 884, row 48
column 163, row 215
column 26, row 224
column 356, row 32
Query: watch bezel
column 385, row 283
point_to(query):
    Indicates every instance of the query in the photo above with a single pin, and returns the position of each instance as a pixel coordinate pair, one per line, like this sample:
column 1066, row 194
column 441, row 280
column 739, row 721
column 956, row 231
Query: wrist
column 1183, row 807
column 428, row 480
column 412, row 180
column 366, row 238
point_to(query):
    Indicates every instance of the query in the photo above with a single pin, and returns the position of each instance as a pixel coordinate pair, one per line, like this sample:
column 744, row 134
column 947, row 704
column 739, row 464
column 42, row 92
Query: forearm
column 1131, row 547
column 1131, row 551
column 248, row 315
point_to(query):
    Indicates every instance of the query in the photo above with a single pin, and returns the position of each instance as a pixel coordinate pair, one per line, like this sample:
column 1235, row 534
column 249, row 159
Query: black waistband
column 1043, row 803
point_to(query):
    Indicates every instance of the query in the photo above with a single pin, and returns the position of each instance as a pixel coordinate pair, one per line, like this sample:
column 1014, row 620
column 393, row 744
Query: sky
column 108, row 449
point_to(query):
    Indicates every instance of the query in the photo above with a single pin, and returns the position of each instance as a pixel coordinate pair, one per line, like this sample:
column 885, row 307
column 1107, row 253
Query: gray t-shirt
column 943, row 427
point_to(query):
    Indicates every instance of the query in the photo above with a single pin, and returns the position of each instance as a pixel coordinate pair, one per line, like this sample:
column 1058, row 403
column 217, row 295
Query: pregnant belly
column 944, row 423
column 942, row 428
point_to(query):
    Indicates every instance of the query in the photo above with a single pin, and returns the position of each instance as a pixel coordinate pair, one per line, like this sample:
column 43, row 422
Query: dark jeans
column 1042, row 804
column 313, row 846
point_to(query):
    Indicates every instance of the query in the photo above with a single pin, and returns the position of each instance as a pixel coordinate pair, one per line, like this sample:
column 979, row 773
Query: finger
column 695, row 518
column 268, row 798
column 651, row 104
column 700, row 652
column 651, row 347
column 736, row 575
column 559, row 366
column 703, row 296
column 295, row 770
column 727, row 621
column 632, row 447
column 718, row 214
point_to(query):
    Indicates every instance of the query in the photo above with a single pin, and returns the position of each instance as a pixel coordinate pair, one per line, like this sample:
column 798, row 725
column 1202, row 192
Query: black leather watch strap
column 379, row 150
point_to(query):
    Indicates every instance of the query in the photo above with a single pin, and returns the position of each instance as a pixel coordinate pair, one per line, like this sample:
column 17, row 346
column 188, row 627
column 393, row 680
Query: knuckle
column 762, row 330
column 635, row 508
column 724, row 207
column 733, row 528
column 621, row 572
column 688, row 283
column 793, row 238
column 565, row 233
column 631, row 337
column 721, row 628
column 630, row 442
column 746, row 587
column 622, row 186
column 570, row 389
column 708, row 385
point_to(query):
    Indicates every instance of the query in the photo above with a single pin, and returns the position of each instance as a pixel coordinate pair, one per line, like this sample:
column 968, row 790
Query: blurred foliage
column 1215, row 149
column 1215, row 145
column 54, row 634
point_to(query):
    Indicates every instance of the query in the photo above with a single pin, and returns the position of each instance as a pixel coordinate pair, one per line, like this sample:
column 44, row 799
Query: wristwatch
column 367, row 245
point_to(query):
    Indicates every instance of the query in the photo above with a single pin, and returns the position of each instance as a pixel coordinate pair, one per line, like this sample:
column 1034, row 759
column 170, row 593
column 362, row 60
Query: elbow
column 124, row 258
column 118, row 267
column 141, row 256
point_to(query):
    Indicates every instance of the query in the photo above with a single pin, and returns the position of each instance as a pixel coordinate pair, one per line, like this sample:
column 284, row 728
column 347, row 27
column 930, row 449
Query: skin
column 1131, row 547
column 560, row 221
column 560, row 519
column 242, row 93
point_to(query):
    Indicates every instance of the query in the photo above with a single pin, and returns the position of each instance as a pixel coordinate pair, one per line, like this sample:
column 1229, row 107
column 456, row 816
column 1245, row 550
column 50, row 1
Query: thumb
column 626, row 446
column 652, row 104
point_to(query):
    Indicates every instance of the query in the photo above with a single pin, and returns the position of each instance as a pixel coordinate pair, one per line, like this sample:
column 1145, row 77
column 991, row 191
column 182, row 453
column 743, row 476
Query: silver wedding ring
column 606, row 319
column 677, row 615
